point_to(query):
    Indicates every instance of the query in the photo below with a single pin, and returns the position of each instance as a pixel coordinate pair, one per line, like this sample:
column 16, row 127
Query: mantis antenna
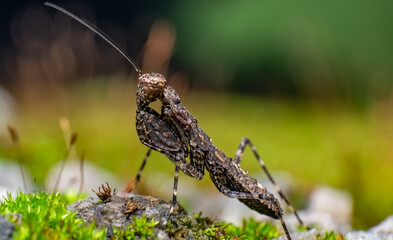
column 98, row 32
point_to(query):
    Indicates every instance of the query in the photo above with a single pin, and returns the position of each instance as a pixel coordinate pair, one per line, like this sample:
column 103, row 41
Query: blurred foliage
column 309, row 49
column 314, row 143
column 330, row 51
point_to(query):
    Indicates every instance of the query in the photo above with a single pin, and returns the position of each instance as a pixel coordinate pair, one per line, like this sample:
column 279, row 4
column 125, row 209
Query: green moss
column 252, row 229
column 42, row 216
column 140, row 227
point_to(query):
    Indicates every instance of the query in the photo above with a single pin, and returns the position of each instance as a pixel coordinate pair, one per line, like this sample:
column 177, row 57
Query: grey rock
column 329, row 209
column 162, row 235
column 385, row 227
column 120, row 211
column 361, row 235
column 336, row 203
column 382, row 231
column 6, row 228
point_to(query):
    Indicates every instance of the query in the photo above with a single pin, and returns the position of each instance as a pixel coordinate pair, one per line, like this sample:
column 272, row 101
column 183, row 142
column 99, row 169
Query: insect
column 175, row 132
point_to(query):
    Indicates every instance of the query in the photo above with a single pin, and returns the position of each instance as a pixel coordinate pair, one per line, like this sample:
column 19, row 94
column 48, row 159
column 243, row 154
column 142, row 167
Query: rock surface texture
column 119, row 212
column 383, row 231
column 6, row 228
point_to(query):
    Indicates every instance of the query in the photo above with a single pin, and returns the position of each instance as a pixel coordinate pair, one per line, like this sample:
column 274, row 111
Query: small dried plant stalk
column 105, row 192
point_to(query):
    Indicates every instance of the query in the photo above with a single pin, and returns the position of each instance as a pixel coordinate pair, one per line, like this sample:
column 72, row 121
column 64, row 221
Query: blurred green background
column 310, row 83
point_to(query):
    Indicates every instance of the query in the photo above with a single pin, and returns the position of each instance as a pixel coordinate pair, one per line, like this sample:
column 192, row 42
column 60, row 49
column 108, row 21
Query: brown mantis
column 175, row 132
